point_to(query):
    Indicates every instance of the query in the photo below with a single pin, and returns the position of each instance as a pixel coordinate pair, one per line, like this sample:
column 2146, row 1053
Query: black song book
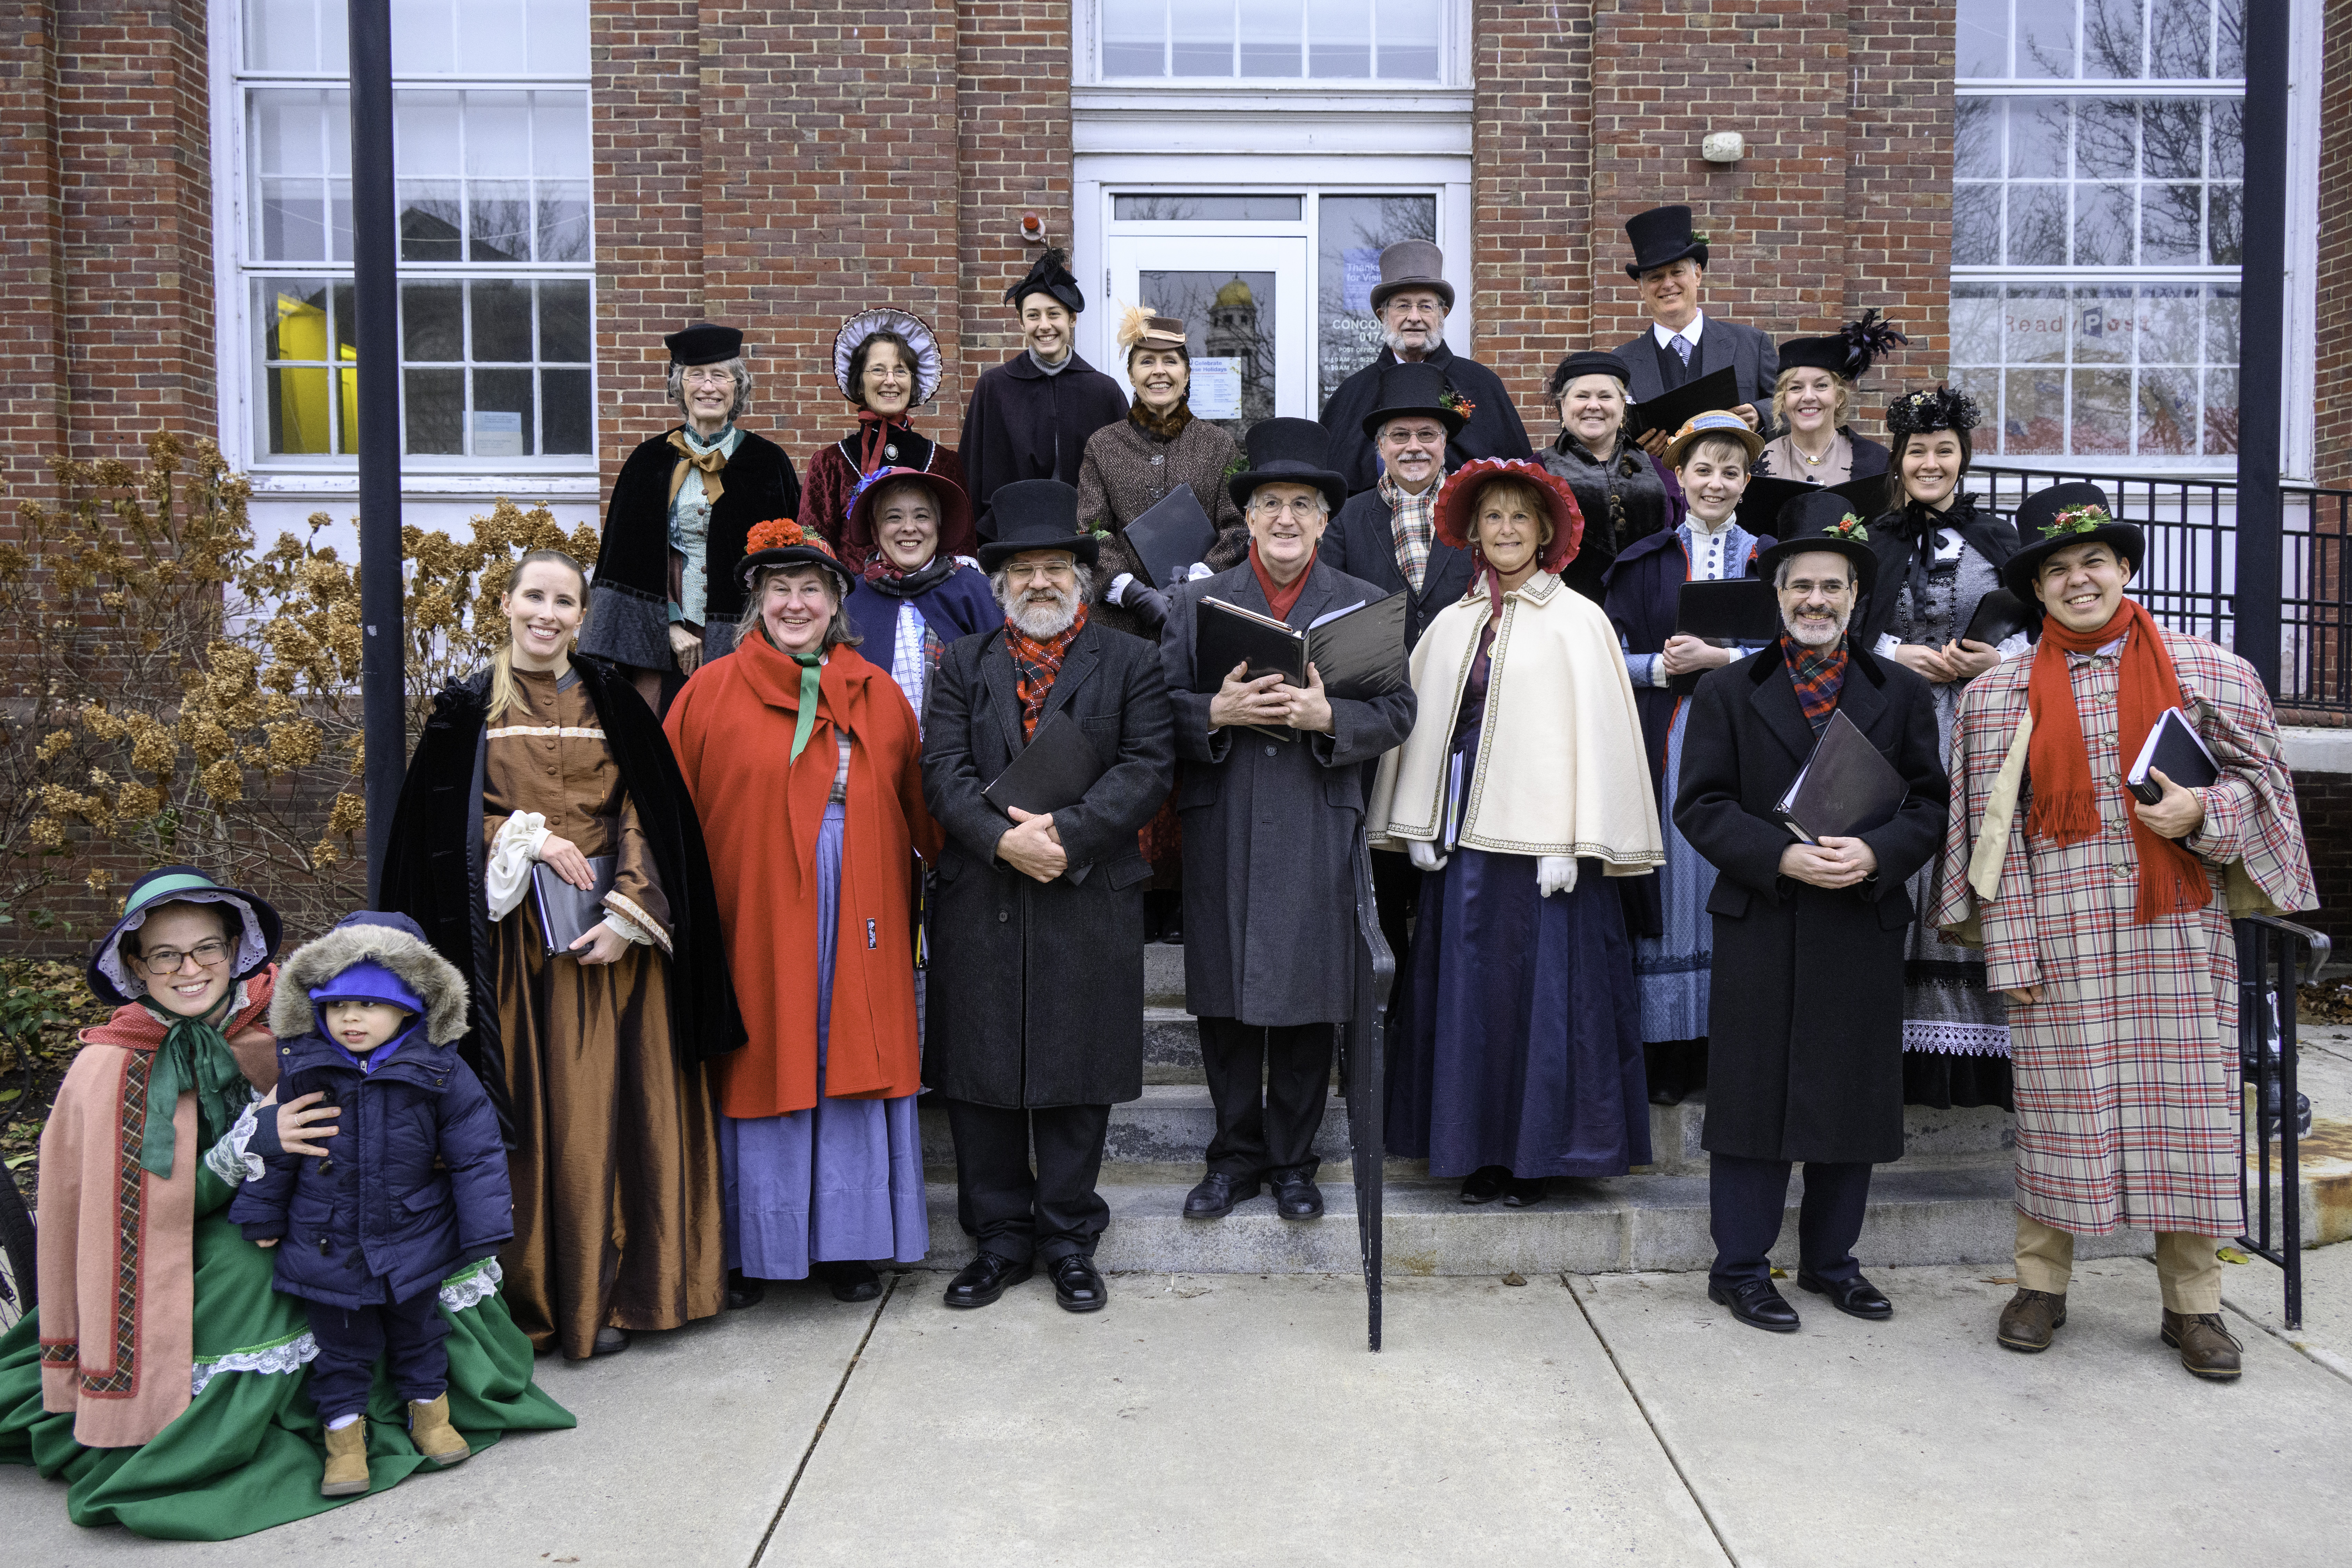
column 1670, row 411
column 2176, row 750
column 567, row 913
column 1732, row 610
column 1844, row 788
column 1171, row 535
column 2000, row 616
column 1052, row 774
column 1358, row 651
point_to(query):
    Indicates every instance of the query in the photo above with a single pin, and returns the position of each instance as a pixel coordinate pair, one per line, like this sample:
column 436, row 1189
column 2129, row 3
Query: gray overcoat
column 1036, row 988
column 1270, row 827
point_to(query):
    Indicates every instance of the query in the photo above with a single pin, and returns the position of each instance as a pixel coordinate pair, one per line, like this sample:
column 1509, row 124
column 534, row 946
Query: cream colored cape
column 1559, row 768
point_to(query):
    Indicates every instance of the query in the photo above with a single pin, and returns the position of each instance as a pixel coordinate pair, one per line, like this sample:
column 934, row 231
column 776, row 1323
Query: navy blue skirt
column 1519, row 1037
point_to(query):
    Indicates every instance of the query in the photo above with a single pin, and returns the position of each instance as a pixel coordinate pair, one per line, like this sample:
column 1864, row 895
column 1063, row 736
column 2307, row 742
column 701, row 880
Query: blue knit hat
column 368, row 980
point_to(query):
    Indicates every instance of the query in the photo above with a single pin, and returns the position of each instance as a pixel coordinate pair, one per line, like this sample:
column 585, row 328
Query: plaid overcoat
column 2126, row 1070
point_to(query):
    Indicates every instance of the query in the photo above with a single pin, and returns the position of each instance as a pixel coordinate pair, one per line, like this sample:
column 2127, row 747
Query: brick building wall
column 2325, row 801
column 2332, row 443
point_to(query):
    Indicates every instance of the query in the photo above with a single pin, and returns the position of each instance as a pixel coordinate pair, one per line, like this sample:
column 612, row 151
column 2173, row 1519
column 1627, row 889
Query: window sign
column 1353, row 232
column 1216, row 388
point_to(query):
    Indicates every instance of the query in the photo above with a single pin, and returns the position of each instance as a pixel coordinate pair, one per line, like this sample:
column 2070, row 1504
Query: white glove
column 1424, row 856
column 1198, row 570
column 1555, row 874
column 1119, row 586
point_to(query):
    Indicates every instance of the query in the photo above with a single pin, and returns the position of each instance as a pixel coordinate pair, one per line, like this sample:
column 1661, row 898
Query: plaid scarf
column 1413, row 525
column 1038, row 662
column 1818, row 677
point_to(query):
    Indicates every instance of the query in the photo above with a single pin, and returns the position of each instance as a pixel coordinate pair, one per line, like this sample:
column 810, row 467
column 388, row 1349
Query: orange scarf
column 712, row 462
column 2065, row 803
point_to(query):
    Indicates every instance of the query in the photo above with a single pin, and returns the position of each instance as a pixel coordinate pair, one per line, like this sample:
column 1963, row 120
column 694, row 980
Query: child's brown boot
column 429, row 1429
column 347, row 1466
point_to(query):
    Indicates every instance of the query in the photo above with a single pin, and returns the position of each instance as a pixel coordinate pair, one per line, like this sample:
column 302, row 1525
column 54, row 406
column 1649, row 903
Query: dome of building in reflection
column 1235, row 293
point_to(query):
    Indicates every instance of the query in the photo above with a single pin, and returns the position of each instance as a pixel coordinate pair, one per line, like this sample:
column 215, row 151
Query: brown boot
column 347, row 1467
column 429, row 1429
column 2031, row 1320
column 2207, row 1349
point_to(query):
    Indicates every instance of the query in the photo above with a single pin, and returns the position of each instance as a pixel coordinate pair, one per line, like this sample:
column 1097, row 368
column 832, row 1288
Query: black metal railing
column 2190, row 579
column 2268, row 970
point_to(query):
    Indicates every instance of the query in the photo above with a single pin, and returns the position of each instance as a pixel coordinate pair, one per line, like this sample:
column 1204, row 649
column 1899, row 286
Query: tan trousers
column 2187, row 1269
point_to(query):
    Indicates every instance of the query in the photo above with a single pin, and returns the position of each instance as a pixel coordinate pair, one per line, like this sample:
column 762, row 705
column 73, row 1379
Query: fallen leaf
column 1780, row 1274
column 1999, row 1278
column 16, row 1160
column 2231, row 1254
column 1513, row 1279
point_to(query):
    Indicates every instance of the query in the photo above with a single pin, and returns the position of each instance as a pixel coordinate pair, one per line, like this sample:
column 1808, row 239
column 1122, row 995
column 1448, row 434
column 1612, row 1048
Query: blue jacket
column 415, row 1185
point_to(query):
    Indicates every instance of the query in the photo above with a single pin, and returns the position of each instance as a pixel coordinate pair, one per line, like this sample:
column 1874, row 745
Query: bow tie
column 712, row 461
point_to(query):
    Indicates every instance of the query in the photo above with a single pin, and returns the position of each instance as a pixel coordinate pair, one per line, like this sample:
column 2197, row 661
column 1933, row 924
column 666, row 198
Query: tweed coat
column 1270, row 827
column 1036, row 989
column 1805, row 1012
column 1361, row 541
column 2126, row 1070
column 1127, row 472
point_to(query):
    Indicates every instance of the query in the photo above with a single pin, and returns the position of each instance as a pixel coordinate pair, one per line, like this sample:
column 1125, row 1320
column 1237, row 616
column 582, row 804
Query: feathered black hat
column 1850, row 352
column 1049, row 275
column 1941, row 409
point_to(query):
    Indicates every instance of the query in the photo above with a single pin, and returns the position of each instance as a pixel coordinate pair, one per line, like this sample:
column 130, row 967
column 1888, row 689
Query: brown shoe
column 429, row 1429
column 2031, row 1320
column 347, row 1466
column 2207, row 1349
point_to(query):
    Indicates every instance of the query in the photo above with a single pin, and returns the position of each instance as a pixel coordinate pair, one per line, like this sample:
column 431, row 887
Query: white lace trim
column 511, row 854
column 1955, row 1039
column 288, row 1355
column 227, row 1159
column 632, row 921
column 474, row 1287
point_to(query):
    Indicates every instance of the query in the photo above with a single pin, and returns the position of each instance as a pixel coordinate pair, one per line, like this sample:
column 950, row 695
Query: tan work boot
column 347, row 1467
column 429, row 1429
column 2207, row 1349
column 2031, row 1320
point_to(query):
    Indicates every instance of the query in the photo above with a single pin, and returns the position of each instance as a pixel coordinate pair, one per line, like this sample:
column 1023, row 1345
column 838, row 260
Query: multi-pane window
column 496, row 263
column 2098, row 170
column 1304, row 40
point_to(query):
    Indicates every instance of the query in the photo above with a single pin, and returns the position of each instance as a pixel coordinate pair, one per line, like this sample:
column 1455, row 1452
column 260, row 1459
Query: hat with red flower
column 780, row 542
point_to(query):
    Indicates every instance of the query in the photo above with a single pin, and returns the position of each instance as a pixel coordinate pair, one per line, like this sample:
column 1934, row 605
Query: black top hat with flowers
column 780, row 542
column 2058, row 516
column 1416, row 386
column 1820, row 522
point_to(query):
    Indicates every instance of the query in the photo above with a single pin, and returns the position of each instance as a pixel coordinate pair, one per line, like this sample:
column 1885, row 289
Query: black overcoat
column 1361, row 543
column 1270, row 827
column 1022, row 424
column 1804, row 1056
column 1492, row 429
column 628, row 616
column 433, row 865
column 1036, row 989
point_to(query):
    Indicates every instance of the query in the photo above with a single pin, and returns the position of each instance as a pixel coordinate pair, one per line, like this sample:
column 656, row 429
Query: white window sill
column 426, row 485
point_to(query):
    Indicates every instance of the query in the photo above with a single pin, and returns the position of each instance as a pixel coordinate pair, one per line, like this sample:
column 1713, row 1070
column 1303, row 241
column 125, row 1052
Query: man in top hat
column 2104, row 918
column 1029, row 417
column 1411, row 302
column 1271, row 799
column 1805, row 1007
column 1684, row 342
column 1036, row 973
column 667, row 593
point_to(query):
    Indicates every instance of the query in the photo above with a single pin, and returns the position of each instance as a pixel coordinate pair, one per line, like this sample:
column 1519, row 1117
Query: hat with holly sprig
column 2060, row 516
column 1822, row 521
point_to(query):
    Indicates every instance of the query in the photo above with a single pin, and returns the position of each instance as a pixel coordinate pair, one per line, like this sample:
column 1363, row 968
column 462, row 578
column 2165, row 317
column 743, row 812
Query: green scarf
column 811, row 674
column 194, row 1055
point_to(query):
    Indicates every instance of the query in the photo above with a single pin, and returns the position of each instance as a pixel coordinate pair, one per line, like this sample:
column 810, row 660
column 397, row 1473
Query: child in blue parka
column 413, row 1189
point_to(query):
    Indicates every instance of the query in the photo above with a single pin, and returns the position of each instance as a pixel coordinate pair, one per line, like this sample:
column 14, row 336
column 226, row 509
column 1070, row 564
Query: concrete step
column 1164, row 975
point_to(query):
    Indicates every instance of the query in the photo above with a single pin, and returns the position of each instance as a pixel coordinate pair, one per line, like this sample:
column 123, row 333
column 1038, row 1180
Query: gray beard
column 1804, row 641
column 1396, row 341
column 1043, row 621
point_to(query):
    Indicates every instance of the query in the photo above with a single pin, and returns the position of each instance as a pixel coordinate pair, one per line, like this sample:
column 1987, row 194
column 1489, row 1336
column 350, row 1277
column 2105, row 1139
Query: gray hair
column 675, row 383
column 837, row 631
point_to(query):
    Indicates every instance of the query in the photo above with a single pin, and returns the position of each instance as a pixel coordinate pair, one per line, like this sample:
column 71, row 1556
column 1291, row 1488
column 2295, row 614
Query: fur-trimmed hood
column 394, row 940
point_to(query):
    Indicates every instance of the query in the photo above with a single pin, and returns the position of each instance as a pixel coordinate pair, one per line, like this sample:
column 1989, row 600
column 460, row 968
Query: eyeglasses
column 168, row 960
column 715, row 376
column 1297, row 505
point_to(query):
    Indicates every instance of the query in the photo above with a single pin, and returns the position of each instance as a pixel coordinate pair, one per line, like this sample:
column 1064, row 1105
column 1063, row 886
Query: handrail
column 2266, row 1020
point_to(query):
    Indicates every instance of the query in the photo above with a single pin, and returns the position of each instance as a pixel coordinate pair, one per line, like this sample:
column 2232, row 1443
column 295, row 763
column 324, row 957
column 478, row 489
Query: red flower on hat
column 783, row 533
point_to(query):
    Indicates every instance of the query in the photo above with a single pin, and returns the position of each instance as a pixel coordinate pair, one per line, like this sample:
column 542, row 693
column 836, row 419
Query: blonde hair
column 1508, row 490
column 1840, row 415
column 503, row 693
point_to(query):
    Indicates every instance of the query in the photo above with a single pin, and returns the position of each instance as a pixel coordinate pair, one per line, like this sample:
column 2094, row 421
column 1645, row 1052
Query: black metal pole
column 2261, row 330
column 376, row 309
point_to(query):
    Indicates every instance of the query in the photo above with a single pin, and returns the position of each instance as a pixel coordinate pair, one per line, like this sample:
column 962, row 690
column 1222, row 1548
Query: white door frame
column 1215, row 247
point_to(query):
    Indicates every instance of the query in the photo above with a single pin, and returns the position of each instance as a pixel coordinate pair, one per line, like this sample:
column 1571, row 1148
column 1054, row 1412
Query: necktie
column 811, row 674
column 1682, row 347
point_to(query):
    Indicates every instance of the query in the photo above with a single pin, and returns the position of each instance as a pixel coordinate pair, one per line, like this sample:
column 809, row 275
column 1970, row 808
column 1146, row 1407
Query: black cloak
column 1022, row 424
column 433, row 869
column 1492, row 429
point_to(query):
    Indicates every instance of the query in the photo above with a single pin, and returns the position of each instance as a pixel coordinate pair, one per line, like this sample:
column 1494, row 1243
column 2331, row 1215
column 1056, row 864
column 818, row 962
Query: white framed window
column 1316, row 43
column 2098, row 170
column 496, row 263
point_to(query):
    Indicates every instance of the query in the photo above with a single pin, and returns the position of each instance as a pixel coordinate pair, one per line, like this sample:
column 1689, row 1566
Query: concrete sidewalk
column 1215, row 1419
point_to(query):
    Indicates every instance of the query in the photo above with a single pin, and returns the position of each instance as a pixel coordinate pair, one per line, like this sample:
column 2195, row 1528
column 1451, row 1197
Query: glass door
column 1244, row 301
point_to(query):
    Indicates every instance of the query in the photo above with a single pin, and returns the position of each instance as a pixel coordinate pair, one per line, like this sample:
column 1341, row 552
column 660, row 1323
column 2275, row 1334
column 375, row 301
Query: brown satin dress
column 615, row 1168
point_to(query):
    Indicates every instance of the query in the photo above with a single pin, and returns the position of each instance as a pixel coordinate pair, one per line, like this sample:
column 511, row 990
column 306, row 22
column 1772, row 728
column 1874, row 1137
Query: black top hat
column 1660, row 236
column 1415, row 386
column 704, row 343
column 1412, row 264
column 1849, row 353
column 1036, row 514
column 115, row 981
column 1584, row 362
column 2050, row 520
column 1050, row 274
column 1824, row 520
column 1288, row 452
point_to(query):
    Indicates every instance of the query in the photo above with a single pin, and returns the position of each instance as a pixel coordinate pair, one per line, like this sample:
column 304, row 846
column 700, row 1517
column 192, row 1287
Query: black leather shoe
column 610, row 1342
column 851, row 1281
column 1485, row 1185
column 1758, row 1305
column 1218, row 1193
column 1078, row 1284
column 1856, row 1297
column 742, row 1291
column 1523, row 1192
column 986, row 1277
column 1295, row 1195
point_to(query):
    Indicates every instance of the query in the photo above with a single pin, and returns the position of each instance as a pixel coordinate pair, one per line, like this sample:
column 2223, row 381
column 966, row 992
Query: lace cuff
column 471, row 1287
column 286, row 1355
column 227, row 1159
column 633, row 922
column 511, row 855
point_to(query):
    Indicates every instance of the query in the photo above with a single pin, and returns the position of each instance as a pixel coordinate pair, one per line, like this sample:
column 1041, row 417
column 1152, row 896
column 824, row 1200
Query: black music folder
column 567, row 913
column 1732, row 610
column 2175, row 749
column 2000, row 616
column 1768, row 495
column 1171, row 535
column 1844, row 788
column 1053, row 772
column 1670, row 411
column 1358, row 650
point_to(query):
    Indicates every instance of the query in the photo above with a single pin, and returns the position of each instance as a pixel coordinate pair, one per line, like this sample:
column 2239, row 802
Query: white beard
column 1043, row 620
column 1396, row 340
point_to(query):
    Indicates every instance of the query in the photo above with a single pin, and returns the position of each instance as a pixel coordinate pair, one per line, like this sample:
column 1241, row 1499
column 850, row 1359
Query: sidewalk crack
column 822, row 1421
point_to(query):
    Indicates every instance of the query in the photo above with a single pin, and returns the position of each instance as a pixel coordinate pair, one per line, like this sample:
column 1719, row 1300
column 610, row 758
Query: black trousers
column 1017, row 1213
column 408, row 1333
column 1269, row 1086
column 1745, row 1200
column 1396, row 890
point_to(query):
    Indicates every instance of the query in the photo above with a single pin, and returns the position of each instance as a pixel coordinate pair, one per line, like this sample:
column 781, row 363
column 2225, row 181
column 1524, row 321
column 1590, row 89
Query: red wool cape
column 731, row 729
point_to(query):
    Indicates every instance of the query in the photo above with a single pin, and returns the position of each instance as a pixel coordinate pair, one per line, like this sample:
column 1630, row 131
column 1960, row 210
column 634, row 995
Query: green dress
column 247, row 1453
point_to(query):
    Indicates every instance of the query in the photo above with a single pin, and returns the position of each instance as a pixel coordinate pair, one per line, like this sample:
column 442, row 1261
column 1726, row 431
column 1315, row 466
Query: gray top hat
column 1412, row 264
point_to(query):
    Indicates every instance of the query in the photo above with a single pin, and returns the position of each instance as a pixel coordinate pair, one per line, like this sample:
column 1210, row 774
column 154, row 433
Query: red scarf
column 1818, row 675
column 2065, row 802
column 1278, row 600
column 872, row 435
column 1038, row 660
